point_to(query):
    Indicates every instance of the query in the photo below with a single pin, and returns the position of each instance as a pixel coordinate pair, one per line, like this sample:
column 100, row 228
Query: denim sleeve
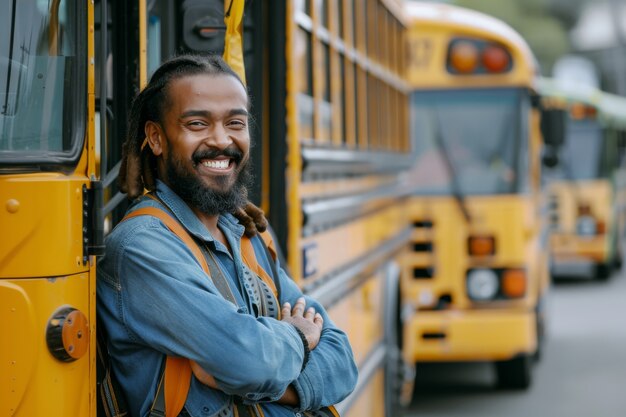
column 331, row 373
column 167, row 303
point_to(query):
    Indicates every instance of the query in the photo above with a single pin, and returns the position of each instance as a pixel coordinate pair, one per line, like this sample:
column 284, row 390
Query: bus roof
column 611, row 108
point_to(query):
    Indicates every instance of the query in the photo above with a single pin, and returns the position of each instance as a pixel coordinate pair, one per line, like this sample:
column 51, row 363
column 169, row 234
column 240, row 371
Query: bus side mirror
column 550, row 158
column 553, row 127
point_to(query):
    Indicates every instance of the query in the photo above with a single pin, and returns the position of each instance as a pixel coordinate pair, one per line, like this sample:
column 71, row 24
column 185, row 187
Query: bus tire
column 618, row 262
column 602, row 271
column 540, row 323
column 617, row 259
column 514, row 373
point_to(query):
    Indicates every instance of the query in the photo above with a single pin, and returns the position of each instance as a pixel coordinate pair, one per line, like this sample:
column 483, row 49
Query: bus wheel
column 514, row 373
column 602, row 271
column 540, row 316
column 618, row 262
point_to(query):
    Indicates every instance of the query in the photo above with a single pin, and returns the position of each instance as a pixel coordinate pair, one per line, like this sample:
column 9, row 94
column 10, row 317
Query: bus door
column 119, row 74
column 49, row 226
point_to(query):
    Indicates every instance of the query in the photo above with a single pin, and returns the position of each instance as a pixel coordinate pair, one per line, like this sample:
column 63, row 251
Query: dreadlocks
column 138, row 166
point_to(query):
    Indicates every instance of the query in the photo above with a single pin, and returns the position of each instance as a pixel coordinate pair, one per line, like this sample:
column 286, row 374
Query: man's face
column 207, row 142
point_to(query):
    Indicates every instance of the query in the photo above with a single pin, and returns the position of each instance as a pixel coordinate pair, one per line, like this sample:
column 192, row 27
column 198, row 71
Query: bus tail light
column 513, row 283
column 495, row 58
column 481, row 245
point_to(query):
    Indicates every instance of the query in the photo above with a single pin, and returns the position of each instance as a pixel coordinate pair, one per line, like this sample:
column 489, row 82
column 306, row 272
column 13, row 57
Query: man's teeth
column 221, row 164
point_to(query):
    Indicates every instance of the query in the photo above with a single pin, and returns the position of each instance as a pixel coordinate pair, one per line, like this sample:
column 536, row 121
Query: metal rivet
column 12, row 205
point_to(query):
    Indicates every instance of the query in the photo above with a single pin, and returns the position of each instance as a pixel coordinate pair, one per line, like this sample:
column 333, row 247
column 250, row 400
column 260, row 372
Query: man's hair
column 138, row 167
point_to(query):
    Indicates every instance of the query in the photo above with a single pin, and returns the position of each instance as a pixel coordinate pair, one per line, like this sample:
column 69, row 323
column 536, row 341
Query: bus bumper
column 451, row 336
column 567, row 249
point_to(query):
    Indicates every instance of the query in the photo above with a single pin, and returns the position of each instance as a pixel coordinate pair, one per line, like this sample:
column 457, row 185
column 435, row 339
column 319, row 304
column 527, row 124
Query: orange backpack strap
column 249, row 258
column 175, row 228
column 177, row 370
column 177, row 382
column 269, row 242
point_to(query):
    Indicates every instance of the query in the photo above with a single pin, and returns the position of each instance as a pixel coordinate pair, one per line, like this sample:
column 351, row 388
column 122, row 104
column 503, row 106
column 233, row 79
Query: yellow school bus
column 475, row 282
column 585, row 190
column 331, row 103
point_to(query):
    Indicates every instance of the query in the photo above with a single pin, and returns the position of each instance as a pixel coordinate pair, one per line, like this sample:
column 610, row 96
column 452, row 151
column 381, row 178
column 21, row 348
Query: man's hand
column 202, row 375
column 309, row 322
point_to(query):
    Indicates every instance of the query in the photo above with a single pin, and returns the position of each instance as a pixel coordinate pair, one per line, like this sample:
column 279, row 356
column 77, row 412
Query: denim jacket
column 155, row 300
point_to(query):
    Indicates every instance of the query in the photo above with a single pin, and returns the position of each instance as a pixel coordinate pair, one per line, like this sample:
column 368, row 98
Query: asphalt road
column 581, row 374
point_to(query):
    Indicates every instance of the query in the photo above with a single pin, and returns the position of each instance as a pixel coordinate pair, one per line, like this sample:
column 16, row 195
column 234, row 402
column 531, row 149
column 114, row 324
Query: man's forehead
column 209, row 82
column 220, row 90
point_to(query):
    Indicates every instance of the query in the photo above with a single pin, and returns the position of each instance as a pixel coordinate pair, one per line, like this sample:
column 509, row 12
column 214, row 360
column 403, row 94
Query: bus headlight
column 482, row 284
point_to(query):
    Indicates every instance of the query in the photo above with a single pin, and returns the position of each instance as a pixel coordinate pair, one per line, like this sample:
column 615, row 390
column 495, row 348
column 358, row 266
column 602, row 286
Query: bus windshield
column 42, row 83
column 471, row 142
column 581, row 153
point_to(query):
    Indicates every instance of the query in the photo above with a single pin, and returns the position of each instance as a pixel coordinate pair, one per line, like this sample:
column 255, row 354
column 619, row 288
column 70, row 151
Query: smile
column 221, row 164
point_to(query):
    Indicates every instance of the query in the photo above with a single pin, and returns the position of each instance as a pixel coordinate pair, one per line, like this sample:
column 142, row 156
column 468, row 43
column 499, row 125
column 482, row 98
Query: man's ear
column 155, row 137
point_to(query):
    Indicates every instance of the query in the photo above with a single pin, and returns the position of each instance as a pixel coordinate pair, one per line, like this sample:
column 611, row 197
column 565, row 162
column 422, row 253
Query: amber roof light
column 478, row 57
column 464, row 57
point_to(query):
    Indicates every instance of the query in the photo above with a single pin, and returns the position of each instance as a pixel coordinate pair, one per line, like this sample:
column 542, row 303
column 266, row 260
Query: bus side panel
column 43, row 217
column 360, row 315
column 370, row 401
column 34, row 383
column 349, row 268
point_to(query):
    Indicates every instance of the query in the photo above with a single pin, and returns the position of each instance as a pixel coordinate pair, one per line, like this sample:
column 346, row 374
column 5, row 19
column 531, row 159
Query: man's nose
column 219, row 137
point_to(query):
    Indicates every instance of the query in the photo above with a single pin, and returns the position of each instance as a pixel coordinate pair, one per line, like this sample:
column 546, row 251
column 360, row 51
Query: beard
column 210, row 200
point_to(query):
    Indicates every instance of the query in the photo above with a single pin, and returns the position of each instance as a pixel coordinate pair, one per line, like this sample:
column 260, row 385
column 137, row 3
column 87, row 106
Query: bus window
column 304, row 59
column 581, row 153
column 42, row 83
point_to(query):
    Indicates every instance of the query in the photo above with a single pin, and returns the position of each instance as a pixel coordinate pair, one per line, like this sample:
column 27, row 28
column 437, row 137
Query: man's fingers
column 298, row 308
column 318, row 319
column 286, row 310
column 310, row 313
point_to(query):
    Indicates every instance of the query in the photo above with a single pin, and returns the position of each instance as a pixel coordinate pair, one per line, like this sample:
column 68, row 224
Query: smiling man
column 189, row 146
column 203, row 143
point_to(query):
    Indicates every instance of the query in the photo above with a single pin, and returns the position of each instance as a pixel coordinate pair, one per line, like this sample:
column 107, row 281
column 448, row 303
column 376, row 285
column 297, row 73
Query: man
column 189, row 145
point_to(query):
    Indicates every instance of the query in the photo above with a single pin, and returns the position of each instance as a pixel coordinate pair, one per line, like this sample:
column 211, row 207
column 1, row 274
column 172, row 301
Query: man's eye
column 196, row 123
column 237, row 123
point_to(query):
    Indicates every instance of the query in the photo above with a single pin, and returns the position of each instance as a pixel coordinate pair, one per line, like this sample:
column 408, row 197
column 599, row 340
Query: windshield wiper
column 454, row 179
